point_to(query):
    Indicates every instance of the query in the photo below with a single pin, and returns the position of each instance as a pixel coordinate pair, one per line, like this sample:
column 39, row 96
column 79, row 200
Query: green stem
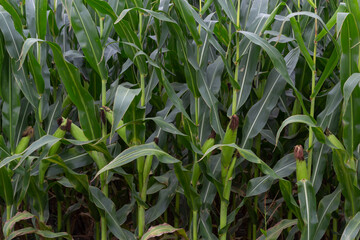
column 105, row 190
column 103, row 92
column 143, row 176
column 234, row 100
column 38, row 48
column 67, row 204
column 140, row 163
column 177, row 210
column 335, row 229
column 141, row 220
column 197, row 111
column 8, row 212
column 103, row 103
column 103, row 228
column 103, row 176
column 101, row 26
column 97, row 231
column 224, row 203
column 140, row 27
column 38, row 51
column 40, row 110
column 142, row 85
column 55, row 6
column 256, row 174
column 312, row 107
column 249, row 231
column 223, row 218
column 59, row 217
column 41, row 215
column 194, row 225
column 289, row 216
column 141, row 211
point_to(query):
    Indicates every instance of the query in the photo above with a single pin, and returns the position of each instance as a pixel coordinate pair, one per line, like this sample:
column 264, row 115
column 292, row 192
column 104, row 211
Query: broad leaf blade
column 307, row 201
column 88, row 37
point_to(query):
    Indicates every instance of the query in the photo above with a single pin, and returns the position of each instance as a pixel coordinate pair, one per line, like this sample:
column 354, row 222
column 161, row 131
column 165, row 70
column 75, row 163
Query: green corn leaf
column 346, row 177
column 248, row 155
column 286, row 192
column 88, row 37
column 13, row 42
column 108, row 206
column 10, row 111
column 330, row 66
column 184, row 178
column 136, row 152
column 125, row 31
column 332, row 21
column 165, row 198
column 212, row 103
column 348, row 65
column 4, row 149
column 184, row 9
column 229, row 9
column 123, row 98
column 302, row 119
column 274, row 232
column 300, row 41
column 165, row 126
column 20, row 216
column 162, row 229
column 10, row 8
column 354, row 9
column 352, row 228
column 6, row 189
column 35, row 70
column 307, row 201
column 283, row 168
column 41, row 18
column 277, row 60
column 258, row 114
column 155, row 14
column 172, row 95
column 47, row 140
column 327, row 205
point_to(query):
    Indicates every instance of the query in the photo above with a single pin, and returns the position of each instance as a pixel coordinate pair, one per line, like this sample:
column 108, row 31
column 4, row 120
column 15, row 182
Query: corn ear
column 196, row 168
column 78, row 133
column 64, row 126
column 229, row 138
column 334, row 140
column 109, row 117
column 209, row 142
column 301, row 169
column 25, row 140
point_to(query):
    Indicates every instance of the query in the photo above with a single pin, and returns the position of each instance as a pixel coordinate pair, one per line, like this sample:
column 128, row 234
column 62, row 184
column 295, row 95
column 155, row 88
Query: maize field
column 180, row 119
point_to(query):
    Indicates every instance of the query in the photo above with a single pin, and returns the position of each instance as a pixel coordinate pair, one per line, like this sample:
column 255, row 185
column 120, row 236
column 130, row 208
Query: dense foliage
column 209, row 119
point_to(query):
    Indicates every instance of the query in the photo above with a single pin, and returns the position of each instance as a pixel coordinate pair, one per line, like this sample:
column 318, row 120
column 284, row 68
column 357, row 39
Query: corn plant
column 182, row 119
